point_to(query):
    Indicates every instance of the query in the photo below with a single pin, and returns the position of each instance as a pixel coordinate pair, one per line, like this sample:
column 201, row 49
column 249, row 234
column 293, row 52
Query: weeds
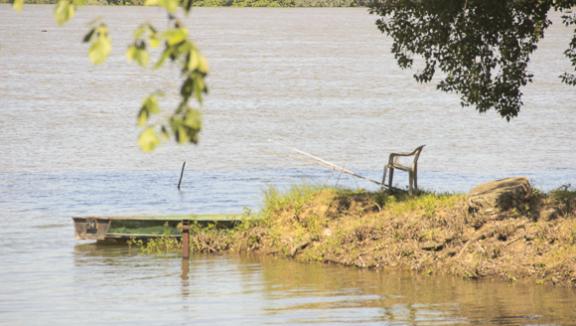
column 295, row 199
column 428, row 232
column 159, row 246
column 564, row 197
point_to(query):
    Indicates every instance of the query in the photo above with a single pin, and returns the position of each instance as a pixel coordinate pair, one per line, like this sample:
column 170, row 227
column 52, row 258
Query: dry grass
column 429, row 233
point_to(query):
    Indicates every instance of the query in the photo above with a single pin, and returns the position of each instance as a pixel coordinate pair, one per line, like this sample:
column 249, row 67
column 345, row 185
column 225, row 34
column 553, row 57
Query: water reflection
column 250, row 289
column 309, row 293
column 348, row 104
column 184, row 270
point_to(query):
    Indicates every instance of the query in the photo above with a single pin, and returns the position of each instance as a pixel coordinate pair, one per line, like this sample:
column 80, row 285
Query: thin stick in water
column 181, row 174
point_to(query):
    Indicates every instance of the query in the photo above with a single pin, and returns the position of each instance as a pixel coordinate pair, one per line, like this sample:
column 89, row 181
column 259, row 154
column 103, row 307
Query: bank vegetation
column 429, row 233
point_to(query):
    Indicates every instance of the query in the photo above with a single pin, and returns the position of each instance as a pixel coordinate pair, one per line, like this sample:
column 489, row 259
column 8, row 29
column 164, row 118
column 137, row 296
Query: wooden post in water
column 181, row 174
column 185, row 239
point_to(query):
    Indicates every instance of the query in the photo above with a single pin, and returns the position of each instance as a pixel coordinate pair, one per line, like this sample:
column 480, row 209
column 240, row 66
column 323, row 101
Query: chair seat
column 400, row 167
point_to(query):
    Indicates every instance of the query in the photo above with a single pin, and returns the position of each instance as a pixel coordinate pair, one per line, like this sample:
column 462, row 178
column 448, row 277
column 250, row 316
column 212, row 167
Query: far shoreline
column 225, row 3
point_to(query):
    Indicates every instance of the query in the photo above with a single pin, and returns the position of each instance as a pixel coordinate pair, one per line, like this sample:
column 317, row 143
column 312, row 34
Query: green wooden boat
column 147, row 226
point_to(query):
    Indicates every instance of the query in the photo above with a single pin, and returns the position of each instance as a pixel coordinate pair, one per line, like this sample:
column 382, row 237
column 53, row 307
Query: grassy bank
column 429, row 233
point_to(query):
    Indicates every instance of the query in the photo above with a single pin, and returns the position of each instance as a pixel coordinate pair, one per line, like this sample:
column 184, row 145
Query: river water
column 320, row 80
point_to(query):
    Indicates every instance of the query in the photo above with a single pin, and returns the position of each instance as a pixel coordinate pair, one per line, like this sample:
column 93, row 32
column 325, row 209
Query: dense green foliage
column 481, row 47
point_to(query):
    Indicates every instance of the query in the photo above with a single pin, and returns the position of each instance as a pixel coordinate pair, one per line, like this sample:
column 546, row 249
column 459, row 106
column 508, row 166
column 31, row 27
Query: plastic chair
column 394, row 163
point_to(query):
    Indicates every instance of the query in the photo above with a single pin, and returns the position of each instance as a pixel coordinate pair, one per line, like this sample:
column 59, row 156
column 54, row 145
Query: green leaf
column 143, row 116
column 175, row 123
column 151, row 103
column 187, row 5
column 138, row 32
column 194, row 138
column 193, row 60
column 187, row 88
column 202, row 64
column 175, row 35
column 141, row 57
column 181, row 135
column 148, row 140
column 164, row 134
column 170, row 5
column 88, row 36
column 154, row 40
column 149, row 106
column 151, row 29
column 131, row 53
column 165, row 54
column 101, row 47
column 64, row 11
column 193, row 119
column 199, row 89
column 18, row 5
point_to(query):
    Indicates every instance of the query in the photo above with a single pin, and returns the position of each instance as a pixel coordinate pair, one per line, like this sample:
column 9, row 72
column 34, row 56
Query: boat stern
column 91, row 228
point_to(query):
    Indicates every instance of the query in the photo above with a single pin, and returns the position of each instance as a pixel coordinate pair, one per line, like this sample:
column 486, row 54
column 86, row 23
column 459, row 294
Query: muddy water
column 321, row 80
column 110, row 284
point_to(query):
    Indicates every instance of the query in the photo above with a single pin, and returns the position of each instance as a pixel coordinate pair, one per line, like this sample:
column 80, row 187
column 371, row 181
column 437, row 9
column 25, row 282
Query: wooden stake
column 181, row 174
column 185, row 239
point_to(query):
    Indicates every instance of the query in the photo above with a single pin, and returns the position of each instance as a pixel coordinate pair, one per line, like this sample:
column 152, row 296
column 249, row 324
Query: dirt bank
column 428, row 233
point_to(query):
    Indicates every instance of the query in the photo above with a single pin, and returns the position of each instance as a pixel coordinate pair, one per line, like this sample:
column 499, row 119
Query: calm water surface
column 321, row 80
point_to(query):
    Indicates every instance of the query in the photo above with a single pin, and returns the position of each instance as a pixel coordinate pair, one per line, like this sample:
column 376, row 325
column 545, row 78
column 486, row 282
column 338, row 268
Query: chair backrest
column 416, row 154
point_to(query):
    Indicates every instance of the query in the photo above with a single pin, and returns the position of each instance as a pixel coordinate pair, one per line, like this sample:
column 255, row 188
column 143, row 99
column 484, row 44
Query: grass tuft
column 428, row 233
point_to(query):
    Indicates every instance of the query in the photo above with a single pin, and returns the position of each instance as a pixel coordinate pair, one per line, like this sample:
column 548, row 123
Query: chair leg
column 410, row 183
column 416, row 181
column 391, row 173
column 383, row 184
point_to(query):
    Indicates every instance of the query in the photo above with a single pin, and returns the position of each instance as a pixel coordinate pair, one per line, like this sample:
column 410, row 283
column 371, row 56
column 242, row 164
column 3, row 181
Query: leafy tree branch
column 185, row 121
column 481, row 47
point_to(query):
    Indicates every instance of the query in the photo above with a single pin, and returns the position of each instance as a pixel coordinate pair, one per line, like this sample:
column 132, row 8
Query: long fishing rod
column 333, row 166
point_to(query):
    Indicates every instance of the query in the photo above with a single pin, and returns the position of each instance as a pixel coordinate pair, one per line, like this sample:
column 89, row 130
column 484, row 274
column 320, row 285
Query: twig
column 514, row 240
column 488, row 234
column 181, row 174
column 299, row 247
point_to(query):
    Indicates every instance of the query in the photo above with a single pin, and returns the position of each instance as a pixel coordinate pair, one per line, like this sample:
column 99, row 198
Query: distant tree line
column 225, row 3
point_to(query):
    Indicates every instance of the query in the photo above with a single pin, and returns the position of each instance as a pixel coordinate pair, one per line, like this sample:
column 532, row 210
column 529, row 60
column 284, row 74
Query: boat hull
column 129, row 227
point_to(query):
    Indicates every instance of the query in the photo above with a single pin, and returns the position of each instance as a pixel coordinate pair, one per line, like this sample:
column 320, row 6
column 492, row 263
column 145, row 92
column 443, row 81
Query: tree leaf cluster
column 185, row 122
column 18, row 5
column 481, row 47
column 570, row 53
column 65, row 10
column 100, row 43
